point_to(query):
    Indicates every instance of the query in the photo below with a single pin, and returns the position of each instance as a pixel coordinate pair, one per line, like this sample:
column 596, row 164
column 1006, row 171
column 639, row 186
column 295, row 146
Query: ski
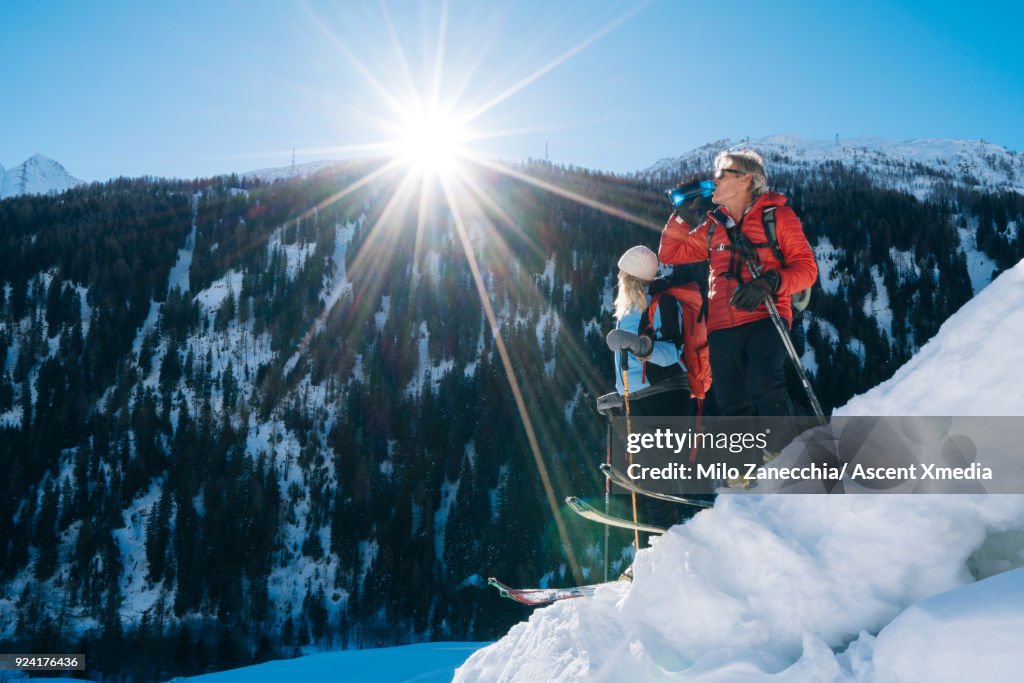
column 542, row 596
column 620, row 479
column 587, row 512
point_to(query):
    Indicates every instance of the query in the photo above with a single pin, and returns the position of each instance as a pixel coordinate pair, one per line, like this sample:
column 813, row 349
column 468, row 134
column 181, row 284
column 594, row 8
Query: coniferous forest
column 243, row 419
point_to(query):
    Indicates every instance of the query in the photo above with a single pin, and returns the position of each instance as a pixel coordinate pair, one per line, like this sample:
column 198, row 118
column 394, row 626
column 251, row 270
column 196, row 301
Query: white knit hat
column 640, row 262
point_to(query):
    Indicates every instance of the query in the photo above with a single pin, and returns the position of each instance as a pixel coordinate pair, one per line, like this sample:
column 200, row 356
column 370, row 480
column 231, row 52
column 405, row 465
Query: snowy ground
column 787, row 588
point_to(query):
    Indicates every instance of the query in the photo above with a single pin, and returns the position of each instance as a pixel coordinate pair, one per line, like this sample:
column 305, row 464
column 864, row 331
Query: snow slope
column 971, row 367
column 819, row 588
column 37, row 175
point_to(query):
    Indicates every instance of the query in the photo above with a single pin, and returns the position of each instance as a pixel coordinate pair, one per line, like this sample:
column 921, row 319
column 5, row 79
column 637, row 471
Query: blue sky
column 195, row 88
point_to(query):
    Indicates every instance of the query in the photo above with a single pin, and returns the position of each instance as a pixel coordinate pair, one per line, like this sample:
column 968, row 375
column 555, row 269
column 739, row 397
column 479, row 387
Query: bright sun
column 432, row 140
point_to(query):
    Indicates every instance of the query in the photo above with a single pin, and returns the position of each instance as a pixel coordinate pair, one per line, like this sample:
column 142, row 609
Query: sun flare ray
column 506, row 360
column 569, row 194
column 430, row 152
column 554, row 63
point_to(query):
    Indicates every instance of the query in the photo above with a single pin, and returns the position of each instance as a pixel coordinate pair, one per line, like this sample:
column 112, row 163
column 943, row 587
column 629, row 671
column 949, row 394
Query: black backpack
column 674, row 295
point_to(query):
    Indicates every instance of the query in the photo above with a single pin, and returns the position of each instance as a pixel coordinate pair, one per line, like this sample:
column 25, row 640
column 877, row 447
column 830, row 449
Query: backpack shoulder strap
column 768, row 219
column 670, row 326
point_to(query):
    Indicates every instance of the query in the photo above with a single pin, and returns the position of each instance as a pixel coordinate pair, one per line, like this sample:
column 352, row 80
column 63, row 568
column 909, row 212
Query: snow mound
column 794, row 588
column 976, row 628
column 971, row 366
column 763, row 587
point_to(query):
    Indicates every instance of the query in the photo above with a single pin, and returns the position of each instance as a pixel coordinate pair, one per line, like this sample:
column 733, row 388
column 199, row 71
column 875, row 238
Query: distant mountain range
column 913, row 166
column 36, row 175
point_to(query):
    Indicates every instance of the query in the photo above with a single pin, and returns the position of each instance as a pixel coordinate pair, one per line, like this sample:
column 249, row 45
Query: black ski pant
column 748, row 370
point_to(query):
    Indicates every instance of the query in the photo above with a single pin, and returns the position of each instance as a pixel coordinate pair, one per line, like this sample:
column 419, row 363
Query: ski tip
column 576, row 503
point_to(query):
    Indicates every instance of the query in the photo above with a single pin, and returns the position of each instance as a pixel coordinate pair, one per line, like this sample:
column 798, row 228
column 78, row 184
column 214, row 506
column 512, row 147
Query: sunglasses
column 720, row 173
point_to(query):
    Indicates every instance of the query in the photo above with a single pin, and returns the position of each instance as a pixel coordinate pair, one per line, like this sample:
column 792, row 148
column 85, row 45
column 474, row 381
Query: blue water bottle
column 690, row 191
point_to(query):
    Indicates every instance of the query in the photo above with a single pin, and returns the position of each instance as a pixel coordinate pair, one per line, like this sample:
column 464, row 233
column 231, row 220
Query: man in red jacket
column 747, row 355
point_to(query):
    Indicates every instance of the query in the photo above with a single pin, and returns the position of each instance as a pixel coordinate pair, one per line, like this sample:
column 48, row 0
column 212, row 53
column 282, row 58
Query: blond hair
column 632, row 295
column 748, row 161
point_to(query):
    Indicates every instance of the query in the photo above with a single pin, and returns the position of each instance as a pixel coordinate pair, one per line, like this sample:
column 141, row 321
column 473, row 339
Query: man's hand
column 750, row 295
column 695, row 212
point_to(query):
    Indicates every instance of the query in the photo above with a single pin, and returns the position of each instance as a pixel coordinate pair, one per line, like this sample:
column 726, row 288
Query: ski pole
column 776, row 317
column 780, row 327
column 607, row 491
column 624, row 365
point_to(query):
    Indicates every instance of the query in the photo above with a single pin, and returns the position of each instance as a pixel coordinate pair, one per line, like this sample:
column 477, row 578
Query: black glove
column 695, row 212
column 637, row 344
column 750, row 295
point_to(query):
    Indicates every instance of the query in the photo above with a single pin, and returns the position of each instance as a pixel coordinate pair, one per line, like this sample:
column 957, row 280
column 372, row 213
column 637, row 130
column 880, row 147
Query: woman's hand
column 637, row 344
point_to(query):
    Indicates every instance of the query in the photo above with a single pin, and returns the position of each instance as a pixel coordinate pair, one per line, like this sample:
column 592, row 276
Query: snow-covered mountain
column 819, row 588
column 915, row 166
column 36, row 175
column 293, row 171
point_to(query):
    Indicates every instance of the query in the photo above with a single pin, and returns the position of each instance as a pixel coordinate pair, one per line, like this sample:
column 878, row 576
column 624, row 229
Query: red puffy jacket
column 680, row 243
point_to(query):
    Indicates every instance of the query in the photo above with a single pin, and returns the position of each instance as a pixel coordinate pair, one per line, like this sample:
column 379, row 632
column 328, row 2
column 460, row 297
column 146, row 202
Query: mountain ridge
column 917, row 165
column 38, row 174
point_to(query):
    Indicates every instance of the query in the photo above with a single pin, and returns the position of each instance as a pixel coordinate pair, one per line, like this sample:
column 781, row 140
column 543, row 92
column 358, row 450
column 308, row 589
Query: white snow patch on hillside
column 131, row 541
column 549, row 323
column 147, row 325
column 980, row 267
column 295, row 254
column 856, row 347
column 435, row 372
column 449, row 490
column 381, row 316
column 608, row 294
column 809, row 360
column 876, row 303
column 828, row 330
column 546, row 280
column 213, row 297
column 179, row 273
column 339, row 283
column 828, row 273
column 570, row 405
column 907, row 269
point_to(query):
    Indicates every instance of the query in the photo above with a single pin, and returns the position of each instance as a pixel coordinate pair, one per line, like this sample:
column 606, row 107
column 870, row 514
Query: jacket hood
column 769, row 199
